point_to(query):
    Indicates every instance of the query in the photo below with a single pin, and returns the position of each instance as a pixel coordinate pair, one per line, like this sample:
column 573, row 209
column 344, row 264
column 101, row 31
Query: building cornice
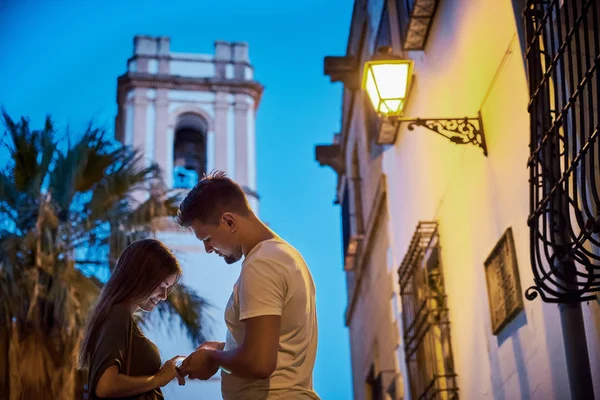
column 132, row 80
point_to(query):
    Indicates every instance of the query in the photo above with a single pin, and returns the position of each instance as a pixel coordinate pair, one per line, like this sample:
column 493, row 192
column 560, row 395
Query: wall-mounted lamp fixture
column 387, row 79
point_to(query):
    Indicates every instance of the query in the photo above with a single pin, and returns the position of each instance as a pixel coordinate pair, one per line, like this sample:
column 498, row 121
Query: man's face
column 219, row 238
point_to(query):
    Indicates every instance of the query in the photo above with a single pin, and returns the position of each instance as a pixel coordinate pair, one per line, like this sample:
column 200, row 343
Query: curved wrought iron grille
column 563, row 58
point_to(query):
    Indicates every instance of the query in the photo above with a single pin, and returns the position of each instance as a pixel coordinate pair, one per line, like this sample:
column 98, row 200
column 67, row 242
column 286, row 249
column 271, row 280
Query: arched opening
column 189, row 150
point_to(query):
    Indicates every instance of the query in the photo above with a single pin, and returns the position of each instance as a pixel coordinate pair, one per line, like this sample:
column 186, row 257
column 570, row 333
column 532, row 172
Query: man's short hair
column 214, row 195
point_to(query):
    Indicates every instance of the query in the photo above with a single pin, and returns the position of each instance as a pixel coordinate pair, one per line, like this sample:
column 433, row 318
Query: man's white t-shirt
column 275, row 280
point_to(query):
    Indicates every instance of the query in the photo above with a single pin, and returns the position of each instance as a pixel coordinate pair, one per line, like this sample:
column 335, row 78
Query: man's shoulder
column 277, row 250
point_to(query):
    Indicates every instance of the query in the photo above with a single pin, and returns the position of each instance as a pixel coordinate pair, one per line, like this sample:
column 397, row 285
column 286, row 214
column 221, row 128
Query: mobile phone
column 179, row 361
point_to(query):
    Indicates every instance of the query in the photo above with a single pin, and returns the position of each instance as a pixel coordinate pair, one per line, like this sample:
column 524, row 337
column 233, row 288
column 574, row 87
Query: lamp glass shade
column 386, row 83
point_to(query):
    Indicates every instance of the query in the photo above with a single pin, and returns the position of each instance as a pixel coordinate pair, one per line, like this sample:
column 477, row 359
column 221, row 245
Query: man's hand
column 199, row 365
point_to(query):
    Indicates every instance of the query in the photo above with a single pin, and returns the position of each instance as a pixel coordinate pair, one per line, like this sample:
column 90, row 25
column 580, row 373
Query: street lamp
column 387, row 79
column 387, row 83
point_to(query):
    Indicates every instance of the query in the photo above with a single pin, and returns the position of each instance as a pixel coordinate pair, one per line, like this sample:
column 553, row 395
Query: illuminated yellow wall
column 473, row 62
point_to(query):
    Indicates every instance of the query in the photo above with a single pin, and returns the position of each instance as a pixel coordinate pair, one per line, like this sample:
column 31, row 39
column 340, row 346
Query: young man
column 271, row 319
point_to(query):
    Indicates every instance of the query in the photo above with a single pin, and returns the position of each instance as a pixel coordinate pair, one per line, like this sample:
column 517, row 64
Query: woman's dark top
column 112, row 346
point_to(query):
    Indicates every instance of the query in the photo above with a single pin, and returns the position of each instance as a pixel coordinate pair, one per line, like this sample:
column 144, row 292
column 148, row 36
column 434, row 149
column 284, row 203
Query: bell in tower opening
column 189, row 150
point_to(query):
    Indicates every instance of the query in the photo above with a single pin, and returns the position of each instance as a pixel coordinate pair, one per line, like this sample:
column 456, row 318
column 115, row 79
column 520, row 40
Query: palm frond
column 31, row 152
column 96, row 156
column 46, row 150
column 85, row 290
column 8, row 194
column 85, row 203
column 8, row 302
column 80, row 167
column 155, row 206
column 126, row 175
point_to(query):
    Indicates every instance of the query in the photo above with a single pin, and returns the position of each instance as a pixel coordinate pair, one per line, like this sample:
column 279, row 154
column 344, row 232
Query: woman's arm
column 114, row 384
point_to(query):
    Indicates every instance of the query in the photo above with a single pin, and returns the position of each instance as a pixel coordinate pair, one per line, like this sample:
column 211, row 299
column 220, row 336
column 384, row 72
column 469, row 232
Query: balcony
column 415, row 18
column 331, row 155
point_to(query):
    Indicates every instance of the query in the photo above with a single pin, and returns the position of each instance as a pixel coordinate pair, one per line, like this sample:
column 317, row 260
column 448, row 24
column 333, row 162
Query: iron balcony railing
column 415, row 18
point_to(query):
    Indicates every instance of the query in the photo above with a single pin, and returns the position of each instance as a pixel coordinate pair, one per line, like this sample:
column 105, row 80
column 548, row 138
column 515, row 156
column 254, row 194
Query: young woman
column 121, row 361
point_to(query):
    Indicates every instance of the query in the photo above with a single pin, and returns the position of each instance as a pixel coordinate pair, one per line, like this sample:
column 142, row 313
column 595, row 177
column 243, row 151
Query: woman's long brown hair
column 142, row 267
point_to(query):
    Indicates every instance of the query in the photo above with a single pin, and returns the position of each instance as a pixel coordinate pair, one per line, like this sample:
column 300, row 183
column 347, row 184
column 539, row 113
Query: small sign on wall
column 503, row 283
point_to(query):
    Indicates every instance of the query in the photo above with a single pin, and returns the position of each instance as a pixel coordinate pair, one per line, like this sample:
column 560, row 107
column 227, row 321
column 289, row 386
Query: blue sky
column 63, row 57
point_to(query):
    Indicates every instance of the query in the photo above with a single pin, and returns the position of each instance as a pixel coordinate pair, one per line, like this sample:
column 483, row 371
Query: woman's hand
column 212, row 346
column 167, row 373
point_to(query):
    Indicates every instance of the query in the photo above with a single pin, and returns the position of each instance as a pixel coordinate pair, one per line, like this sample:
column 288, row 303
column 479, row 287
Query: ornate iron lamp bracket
column 458, row 130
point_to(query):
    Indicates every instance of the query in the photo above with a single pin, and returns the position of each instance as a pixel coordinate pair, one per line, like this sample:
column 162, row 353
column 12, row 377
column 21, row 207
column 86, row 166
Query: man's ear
column 229, row 220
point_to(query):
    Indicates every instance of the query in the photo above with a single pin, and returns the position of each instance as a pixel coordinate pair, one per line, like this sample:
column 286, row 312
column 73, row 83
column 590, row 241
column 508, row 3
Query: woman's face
column 159, row 294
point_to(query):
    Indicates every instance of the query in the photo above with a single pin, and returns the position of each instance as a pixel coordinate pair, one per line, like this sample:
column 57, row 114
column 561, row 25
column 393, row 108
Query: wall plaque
column 503, row 283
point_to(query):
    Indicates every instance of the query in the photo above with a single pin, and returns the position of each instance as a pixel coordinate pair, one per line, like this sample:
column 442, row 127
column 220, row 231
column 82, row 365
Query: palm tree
column 65, row 215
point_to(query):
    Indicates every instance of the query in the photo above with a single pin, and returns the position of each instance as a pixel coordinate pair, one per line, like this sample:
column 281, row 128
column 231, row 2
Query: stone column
column 144, row 48
column 222, row 58
column 140, row 103
column 127, row 120
column 164, row 50
column 241, row 139
column 150, row 146
column 241, row 59
column 210, row 150
column 170, row 139
column 220, row 131
column 161, row 138
column 140, row 112
column 251, row 150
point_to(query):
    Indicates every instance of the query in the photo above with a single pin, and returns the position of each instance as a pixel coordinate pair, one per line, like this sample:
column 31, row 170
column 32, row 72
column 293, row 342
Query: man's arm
column 262, row 291
column 257, row 356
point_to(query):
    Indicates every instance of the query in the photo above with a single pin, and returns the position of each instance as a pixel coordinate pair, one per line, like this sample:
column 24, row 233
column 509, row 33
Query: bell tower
column 192, row 113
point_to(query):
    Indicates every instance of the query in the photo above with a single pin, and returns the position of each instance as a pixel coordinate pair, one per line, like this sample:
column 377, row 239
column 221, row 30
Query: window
column 189, row 152
column 564, row 85
column 357, row 209
column 374, row 389
column 345, row 220
column 353, row 241
column 426, row 326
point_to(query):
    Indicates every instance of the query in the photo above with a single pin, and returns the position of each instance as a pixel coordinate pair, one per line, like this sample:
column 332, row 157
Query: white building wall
column 191, row 96
column 471, row 64
column 193, row 69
